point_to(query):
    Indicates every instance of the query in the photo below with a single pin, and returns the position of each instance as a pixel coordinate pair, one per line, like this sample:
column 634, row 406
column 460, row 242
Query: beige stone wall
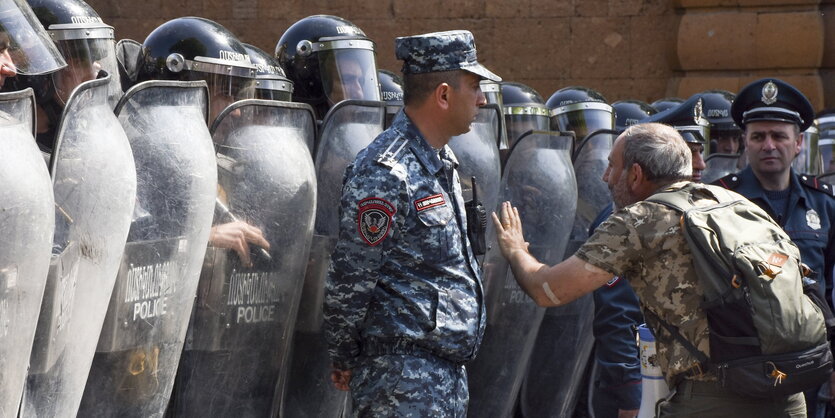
column 641, row 49
column 619, row 47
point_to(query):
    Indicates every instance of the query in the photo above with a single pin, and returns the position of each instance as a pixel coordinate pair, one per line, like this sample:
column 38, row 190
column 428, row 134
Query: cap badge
column 697, row 110
column 769, row 93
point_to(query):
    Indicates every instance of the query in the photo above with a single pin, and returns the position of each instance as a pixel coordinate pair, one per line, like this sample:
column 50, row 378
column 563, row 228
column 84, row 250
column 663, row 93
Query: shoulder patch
column 730, row 182
column 374, row 219
column 392, row 153
column 814, row 183
column 613, row 281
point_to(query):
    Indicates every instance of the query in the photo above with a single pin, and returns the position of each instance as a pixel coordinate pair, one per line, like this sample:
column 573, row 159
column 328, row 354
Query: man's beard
column 621, row 195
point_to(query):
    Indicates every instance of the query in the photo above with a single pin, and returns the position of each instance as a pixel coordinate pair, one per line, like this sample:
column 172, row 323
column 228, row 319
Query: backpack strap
column 703, row 360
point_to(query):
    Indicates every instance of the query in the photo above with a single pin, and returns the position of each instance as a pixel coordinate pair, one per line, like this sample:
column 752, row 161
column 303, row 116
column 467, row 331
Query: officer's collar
column 424, row 152
column 750, row 187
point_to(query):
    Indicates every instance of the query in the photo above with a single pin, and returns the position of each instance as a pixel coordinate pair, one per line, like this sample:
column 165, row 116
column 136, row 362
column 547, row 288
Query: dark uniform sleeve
column 371, row 199
column 617, row 315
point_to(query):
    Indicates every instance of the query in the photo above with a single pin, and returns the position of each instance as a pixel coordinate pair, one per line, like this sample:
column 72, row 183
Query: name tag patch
column 429, row 202
column 374, row 219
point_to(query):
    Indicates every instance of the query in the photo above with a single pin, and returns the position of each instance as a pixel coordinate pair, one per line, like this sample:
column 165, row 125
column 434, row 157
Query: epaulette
column 813, row 183
column 393, row 152
column 730, row 182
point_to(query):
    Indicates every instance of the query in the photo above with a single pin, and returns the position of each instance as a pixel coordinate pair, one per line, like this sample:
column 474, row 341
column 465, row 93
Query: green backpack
column 767, row 338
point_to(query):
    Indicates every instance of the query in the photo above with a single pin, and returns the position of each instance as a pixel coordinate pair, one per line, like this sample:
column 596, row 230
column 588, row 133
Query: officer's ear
column 441, row 95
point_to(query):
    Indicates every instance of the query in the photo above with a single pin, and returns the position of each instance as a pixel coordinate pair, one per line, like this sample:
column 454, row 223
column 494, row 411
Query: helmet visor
column 826, row 147
column 85, row 58
column 519, row 124
column 349, row 74
column 225, row 90
column 583, row 122
column 27, row 44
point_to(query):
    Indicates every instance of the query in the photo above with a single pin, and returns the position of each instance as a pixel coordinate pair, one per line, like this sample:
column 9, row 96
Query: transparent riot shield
column 809, row 159
column 347, row 129
column 238, row 346
column 94, row 184
column 568, row 329
column 539, row 180
column 27, row 222
column 477, row 152
column 147, row 317
column 720, row 165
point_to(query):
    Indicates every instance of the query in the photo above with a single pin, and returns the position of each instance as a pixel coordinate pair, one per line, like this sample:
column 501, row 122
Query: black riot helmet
column 524, row 110
column 630, row 112
column 329, row 59
column 688, row 119
column 723, row 130
column 666, row 103
column 85, row 41
column 270, row 81
column 579, row 109
column 193, row 48
column 391, row 89
column 826, row 144
column 24, row 44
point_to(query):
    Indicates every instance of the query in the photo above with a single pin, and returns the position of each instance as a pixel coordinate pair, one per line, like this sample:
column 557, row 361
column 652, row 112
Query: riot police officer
column 329, row 59
column 271, row 83
column 723, row 130
column 87, row 45
column 391, row 88
column 772, row 115
column 630, row 112
column 524, row 110
column 688, row 118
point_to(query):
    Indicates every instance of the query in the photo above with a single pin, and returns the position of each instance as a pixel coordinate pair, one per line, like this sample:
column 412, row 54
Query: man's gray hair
column 659, row 150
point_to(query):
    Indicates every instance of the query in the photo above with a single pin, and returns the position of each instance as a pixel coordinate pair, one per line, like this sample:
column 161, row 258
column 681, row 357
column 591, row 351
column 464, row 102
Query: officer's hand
column 509, row 231
column 341, row 379
column 237, row 236
column 627, row 413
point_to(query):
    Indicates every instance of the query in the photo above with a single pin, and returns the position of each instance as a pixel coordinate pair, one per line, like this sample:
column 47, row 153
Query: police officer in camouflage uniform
column 643, row 241
column 404, row 303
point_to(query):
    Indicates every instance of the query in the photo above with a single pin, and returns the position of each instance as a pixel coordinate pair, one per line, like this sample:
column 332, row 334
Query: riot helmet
column 87, row 44
column 630, row 112
column 193, row 48
column 25, row 47
column 329, row 59
column 724, row 132
column 524, row 110
column 270, row 81
column 826, row 144
column 579, row 109
column 391, row 89
column 666, row 103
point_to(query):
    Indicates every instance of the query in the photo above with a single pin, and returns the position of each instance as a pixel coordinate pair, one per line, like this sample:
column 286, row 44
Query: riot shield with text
column 477, row 152
column 27, row 222
column 143, row 334
column 346, row 130
column 720, row 165
column 238, row 342
column 538, row 179
column 94, row 184
column 568, row 329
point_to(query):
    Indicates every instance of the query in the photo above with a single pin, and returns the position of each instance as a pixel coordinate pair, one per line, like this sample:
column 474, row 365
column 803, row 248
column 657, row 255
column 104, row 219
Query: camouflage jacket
column 403, row 278
column 644, row 242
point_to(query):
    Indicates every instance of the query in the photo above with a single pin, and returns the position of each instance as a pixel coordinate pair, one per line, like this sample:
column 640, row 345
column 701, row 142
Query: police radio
column 476, row 223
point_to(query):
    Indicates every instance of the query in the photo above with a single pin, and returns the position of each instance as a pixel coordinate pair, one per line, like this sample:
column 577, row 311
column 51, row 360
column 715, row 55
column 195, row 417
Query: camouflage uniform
column 403, row 279
column 404, row 303
column 644, row 242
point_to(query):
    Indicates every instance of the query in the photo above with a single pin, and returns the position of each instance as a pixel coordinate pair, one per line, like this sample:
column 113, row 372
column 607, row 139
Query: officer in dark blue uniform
column 772, row 114
column 404, row 303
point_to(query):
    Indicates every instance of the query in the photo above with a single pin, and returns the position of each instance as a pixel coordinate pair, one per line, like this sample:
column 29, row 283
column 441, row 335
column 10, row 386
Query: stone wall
column 640, row 49
column 618, row 47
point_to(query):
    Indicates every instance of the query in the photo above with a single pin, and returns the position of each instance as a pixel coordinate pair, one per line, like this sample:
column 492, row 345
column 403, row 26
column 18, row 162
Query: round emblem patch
column 374, row 219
